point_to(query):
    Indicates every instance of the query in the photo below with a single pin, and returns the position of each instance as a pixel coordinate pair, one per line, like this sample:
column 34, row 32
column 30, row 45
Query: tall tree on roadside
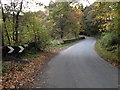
column 67, row 19
column 12, row 10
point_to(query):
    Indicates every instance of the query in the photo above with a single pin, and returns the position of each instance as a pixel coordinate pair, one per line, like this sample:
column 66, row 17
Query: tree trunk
column 13, row 26
column 75, row 35
column 16, row 29
column 7, row 34
column 17, row 23
column 61, row 32
column 3, row 44
column 5, row 28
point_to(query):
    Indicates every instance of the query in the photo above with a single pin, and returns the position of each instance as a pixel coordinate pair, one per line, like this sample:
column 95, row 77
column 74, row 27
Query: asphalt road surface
column 78, row 66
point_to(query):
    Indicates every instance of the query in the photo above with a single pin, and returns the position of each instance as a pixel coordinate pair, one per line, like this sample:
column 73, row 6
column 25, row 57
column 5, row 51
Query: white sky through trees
column 32, row 6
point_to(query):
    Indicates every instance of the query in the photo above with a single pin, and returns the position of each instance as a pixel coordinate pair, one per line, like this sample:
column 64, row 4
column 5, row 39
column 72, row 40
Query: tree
column 99, row 17
column 12, row 11
column 67, row 19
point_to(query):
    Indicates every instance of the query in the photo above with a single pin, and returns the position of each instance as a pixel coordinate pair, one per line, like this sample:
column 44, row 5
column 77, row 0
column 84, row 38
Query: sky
column 32, row 6
column 46, row 2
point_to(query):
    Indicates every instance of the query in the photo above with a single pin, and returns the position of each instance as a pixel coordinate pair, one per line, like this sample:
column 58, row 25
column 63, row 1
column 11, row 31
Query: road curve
column 78, row 66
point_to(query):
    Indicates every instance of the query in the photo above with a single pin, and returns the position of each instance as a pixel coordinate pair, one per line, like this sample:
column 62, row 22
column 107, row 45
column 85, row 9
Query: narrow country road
column 78, row 66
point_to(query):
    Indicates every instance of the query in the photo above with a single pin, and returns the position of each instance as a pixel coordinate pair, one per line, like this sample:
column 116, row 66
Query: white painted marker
column 21, row 49
column 11, row 49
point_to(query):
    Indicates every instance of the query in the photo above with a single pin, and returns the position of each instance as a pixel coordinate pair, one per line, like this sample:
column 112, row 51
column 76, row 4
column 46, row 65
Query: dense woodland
column 102, row 21
column 61, row 21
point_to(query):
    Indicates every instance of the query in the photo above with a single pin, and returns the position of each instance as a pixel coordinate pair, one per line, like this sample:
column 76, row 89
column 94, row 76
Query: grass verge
column 64, row 46
column 109, row 56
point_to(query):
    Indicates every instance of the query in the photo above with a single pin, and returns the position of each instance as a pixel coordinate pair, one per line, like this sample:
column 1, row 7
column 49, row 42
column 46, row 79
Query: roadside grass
column 64, row 46
column 110, row 56
column 31, row 55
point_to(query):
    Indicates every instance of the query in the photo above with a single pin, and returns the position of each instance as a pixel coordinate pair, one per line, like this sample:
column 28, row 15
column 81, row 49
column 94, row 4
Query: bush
column 44, row 41
column 109, row 39
column 113, row 48
column 56, row 42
